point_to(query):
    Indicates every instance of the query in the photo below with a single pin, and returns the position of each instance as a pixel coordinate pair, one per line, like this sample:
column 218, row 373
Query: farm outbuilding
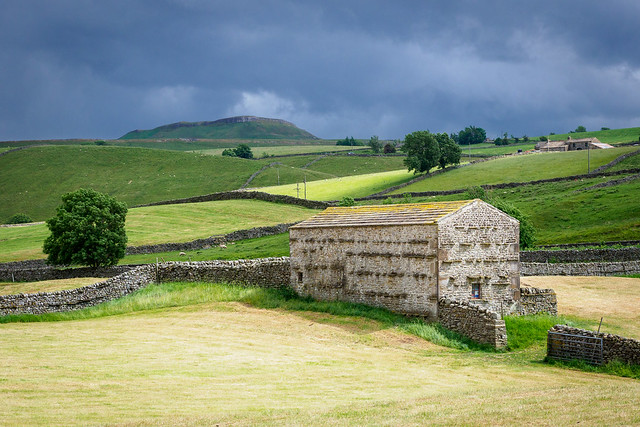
column 406, row 257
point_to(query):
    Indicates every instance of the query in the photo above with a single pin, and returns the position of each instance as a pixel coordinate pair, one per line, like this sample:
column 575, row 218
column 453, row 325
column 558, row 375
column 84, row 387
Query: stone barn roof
column 402, row 214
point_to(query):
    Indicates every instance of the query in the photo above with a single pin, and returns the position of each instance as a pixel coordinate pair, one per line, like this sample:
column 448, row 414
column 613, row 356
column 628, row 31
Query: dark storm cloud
column 335, row 68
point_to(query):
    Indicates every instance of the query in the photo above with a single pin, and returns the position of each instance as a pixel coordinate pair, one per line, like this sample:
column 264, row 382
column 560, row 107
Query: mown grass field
column 337, row 188
column 168, row 223
column 522, row 168
column 10, row 288
column 211, row 354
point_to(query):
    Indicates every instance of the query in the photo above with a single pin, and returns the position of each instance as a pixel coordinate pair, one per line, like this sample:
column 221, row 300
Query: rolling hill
column 240, row 127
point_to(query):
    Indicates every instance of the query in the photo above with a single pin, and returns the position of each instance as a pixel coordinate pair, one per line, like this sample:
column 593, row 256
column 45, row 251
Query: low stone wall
column 266, row 272
column 580, row 269
column 241, row 195
column 250, row 233
column 584, row 255
column 74, row 299
column 34, row 271
column 474, row 322
column 614, row 347
column 536, row 301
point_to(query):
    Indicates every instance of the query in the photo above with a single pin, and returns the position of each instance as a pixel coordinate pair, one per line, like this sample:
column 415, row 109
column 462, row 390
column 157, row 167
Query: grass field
column 337, row 188
column 527, row 167
column 9, row 288
column 168, row 223
column 33, row 180
column 569, row 212
column 214, row 357
column 613, row 136
column 283, row 150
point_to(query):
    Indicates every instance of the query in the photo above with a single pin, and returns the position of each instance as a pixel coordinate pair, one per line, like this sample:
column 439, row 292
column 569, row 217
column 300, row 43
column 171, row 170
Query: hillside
column 611, row 136
column 240, row 127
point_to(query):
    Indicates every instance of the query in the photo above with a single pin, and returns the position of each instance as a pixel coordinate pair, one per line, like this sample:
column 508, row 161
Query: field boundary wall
column 614, row 347
column 266, row 272
column 580, row 269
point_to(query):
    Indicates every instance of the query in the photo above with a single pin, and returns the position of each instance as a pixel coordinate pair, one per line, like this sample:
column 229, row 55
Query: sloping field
column 223, row 362
column 613, row 136
column 522, row 168
column 32, row 180
column 337, row 188
column 168, row 223
column 9, row 288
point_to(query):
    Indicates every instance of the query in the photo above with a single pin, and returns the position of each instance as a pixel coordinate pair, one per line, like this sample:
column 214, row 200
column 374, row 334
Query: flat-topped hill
column 240, row 127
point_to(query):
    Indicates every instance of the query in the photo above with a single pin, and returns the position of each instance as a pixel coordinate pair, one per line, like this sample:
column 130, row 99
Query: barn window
column 475, row 291
column 299, row 276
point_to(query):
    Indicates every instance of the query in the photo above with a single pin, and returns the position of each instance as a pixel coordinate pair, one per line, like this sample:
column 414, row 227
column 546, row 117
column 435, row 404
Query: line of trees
column 426, row 150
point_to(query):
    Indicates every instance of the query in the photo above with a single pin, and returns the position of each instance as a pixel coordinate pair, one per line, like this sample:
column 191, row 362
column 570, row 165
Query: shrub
column 407, row 198
column 19, row 218
column 389, row 148
column 347, row 201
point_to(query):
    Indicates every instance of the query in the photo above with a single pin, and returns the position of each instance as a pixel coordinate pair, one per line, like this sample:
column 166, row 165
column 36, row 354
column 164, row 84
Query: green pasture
column 284, row 174
column 569, row 212
column 32, row 180
column 168, row 223
column 206, row 354
column 632, row 162
column 496, row 150
column 337, row 188
column 523, row 168
column 260, row 151
column 613, row 136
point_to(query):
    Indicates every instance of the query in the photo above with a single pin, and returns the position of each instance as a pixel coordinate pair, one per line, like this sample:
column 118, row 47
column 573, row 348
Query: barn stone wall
column 394, row 267
column 479, row 245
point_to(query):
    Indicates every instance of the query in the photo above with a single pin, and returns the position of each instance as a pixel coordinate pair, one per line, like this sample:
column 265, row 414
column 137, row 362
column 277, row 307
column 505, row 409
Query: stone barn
column 406, row 257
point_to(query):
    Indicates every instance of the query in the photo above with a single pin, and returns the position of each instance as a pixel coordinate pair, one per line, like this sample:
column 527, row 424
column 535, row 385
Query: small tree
column 375, row 144
column 389, row 148
column 423, row 151
column 346, row 201
column 19, row 218
column 471, row 135
column 449, row 150
column 229, row 152
column 580, row 129
column 244, row 151
column 88, row 229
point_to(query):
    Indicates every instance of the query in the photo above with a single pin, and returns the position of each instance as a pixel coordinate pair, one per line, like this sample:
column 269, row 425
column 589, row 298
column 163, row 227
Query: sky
column 99, row 69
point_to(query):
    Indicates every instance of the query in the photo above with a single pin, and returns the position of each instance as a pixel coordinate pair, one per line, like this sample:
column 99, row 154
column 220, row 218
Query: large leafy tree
column 423, row 151
column 88, row 229
column 449, row 150
column 471, row 135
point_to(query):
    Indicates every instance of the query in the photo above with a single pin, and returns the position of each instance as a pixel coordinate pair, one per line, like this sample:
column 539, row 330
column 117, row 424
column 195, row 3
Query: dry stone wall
column 267, row 272
column 582, row 255
column 614, row 347
column 580, row 269
column 477, row 323
column 536, row 301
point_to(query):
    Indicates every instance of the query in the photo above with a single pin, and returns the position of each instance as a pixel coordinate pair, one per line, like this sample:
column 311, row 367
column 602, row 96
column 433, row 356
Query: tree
column 88, row 229
column 471, row 135
column 375, row 144
column 389, row 148
column 229, row 152
column 423, row 151
column 19, row 218
column 244, row 151
column 449, row 150
column 580, row 129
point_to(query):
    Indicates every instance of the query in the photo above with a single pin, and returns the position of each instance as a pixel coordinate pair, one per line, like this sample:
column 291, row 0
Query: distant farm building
column 572, row 145
column 406, row 257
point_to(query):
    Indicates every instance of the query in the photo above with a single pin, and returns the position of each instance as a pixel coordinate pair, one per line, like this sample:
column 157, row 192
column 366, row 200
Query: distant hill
column 240, row 127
